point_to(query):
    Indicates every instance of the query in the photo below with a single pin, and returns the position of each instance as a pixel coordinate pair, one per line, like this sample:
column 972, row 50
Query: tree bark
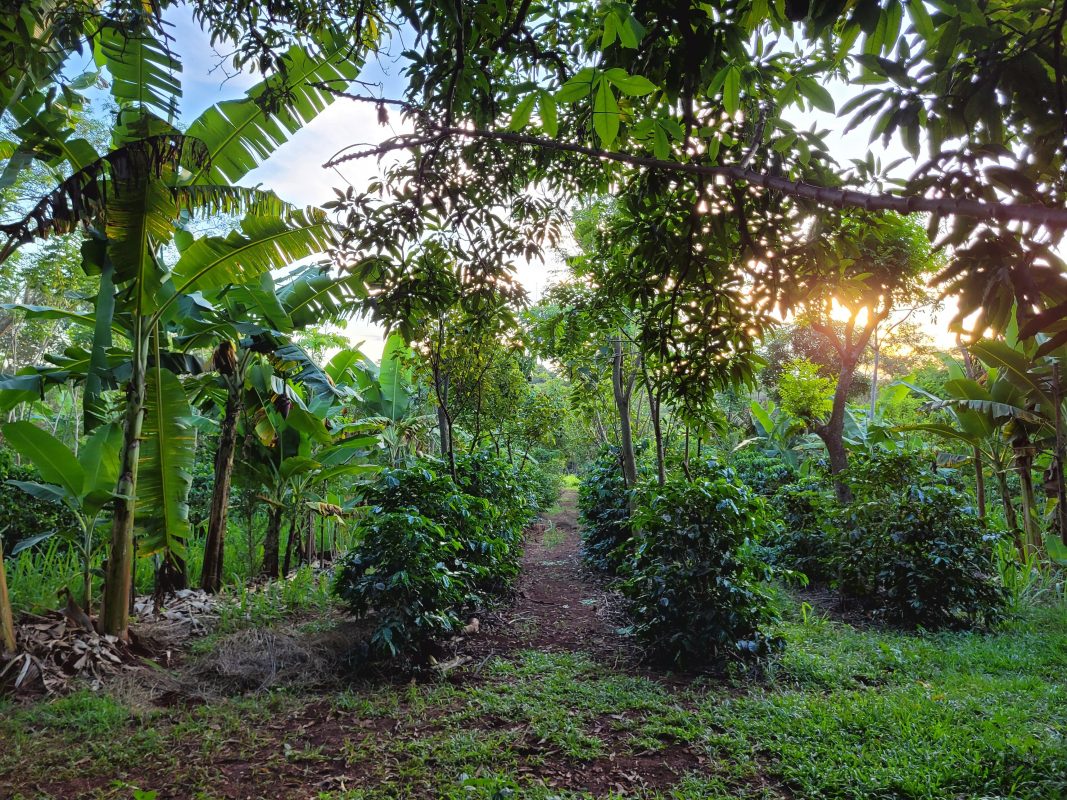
column 1024, row 462
column 832, row 432
column 211, row 575
column 979, row 483
column 115, row 614
column 627, row 457
column 271, row 542
column 1061, row 451
column 7, row 623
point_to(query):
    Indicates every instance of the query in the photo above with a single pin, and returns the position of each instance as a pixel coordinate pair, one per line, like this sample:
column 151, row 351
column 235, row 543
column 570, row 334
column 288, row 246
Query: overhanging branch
column 840, row 198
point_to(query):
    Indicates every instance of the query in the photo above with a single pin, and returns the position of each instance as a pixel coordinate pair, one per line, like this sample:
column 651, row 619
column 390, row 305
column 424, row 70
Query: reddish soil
column 558, row 606
column 314, row 747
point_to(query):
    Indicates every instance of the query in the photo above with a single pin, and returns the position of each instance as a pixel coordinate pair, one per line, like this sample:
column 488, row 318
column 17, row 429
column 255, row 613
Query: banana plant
column 133, row 201
column 245, row 324
column 998, row 420
column 84, row 483
column 388, row 396
column 780, row 434
column 300, row 440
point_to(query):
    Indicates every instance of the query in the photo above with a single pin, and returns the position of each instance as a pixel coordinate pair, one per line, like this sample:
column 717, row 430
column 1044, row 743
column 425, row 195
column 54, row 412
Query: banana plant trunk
column 7, row 623
column 1011, row 521
column 118, row 578
column 979, row 483
column 272, row 542
column 211, row 576
column 1024, row 462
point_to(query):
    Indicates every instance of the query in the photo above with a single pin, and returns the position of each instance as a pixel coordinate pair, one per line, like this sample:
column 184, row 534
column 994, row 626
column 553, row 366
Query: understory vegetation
column 689, row 451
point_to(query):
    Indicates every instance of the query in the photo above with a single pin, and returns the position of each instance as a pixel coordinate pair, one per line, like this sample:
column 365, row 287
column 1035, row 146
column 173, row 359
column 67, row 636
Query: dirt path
column 558, row 605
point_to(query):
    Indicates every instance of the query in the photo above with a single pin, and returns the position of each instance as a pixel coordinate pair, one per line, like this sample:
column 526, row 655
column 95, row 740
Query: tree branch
column 839, row 198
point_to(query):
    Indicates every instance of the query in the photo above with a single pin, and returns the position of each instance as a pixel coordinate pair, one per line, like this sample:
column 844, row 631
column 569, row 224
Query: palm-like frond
column 240, row 134
column 262, row 244
column 313, row 296
column 144, row 72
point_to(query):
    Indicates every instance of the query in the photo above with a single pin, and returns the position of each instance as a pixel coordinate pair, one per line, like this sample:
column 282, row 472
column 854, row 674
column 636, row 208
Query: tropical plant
column 84, row 484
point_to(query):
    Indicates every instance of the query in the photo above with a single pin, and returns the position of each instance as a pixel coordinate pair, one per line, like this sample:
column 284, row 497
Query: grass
column 843, row 713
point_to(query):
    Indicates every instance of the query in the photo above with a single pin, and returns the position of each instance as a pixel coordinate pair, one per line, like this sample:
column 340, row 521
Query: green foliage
column 762, row 473
column 695, row 580
column 912, row 543
column 431, row 548
column 405, row 570
column 805, row 392
column 23, row 515
column 807, row 538
column 604, row 509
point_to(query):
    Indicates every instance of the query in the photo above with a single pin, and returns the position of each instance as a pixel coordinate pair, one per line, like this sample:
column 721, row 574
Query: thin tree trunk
column 1024, row 462
column 7, row 623
column 622, row 403
column 979, row 483
column 115, row 614
column 832, row 432
column 1061, row 455
column 211, row 576
column 874, row 375
column 271, row 542
column 294, row 534
column 1010, row 519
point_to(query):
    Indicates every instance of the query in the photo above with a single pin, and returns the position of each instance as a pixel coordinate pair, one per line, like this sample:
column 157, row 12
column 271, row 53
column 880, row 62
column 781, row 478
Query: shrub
column 695, row 581
column 807, row 538
column 431, row 548
column 604, row 510
column 405, row 570
column 913, row 544
column 764, row 474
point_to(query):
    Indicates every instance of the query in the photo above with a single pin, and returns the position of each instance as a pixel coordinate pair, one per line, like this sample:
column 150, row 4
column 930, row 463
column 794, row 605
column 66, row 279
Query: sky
column 296, row 173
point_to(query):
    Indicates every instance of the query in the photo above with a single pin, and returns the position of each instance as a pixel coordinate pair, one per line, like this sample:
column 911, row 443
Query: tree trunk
column 657, row 432
column 979, row 483
column 115, row 614
column 271, row 542
column 622, row 403
column 211, row 576
column 294, row 535
column 1011, row 521
column 1061, row 455
column 7, row 623
column 1024, row 462
column 874, row 376
column 832, row 432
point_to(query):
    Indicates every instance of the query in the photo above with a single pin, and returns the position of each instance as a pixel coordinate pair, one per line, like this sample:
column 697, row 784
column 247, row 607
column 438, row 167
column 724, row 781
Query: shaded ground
column 557, row 607
column 551, row 706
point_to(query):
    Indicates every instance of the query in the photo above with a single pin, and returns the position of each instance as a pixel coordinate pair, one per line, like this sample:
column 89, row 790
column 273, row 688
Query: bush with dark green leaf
column 764, row 474
column 696, row 579
column 464, row 547
column 807, row 538
column 913, row 544
column 407, row 570
column 604, row 511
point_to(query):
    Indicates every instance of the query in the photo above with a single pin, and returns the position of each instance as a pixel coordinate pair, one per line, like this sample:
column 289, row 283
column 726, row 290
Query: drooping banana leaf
column 263, row 244
column 313, row 296
column 165, row 466
column 394, row 378
column 53, row 459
